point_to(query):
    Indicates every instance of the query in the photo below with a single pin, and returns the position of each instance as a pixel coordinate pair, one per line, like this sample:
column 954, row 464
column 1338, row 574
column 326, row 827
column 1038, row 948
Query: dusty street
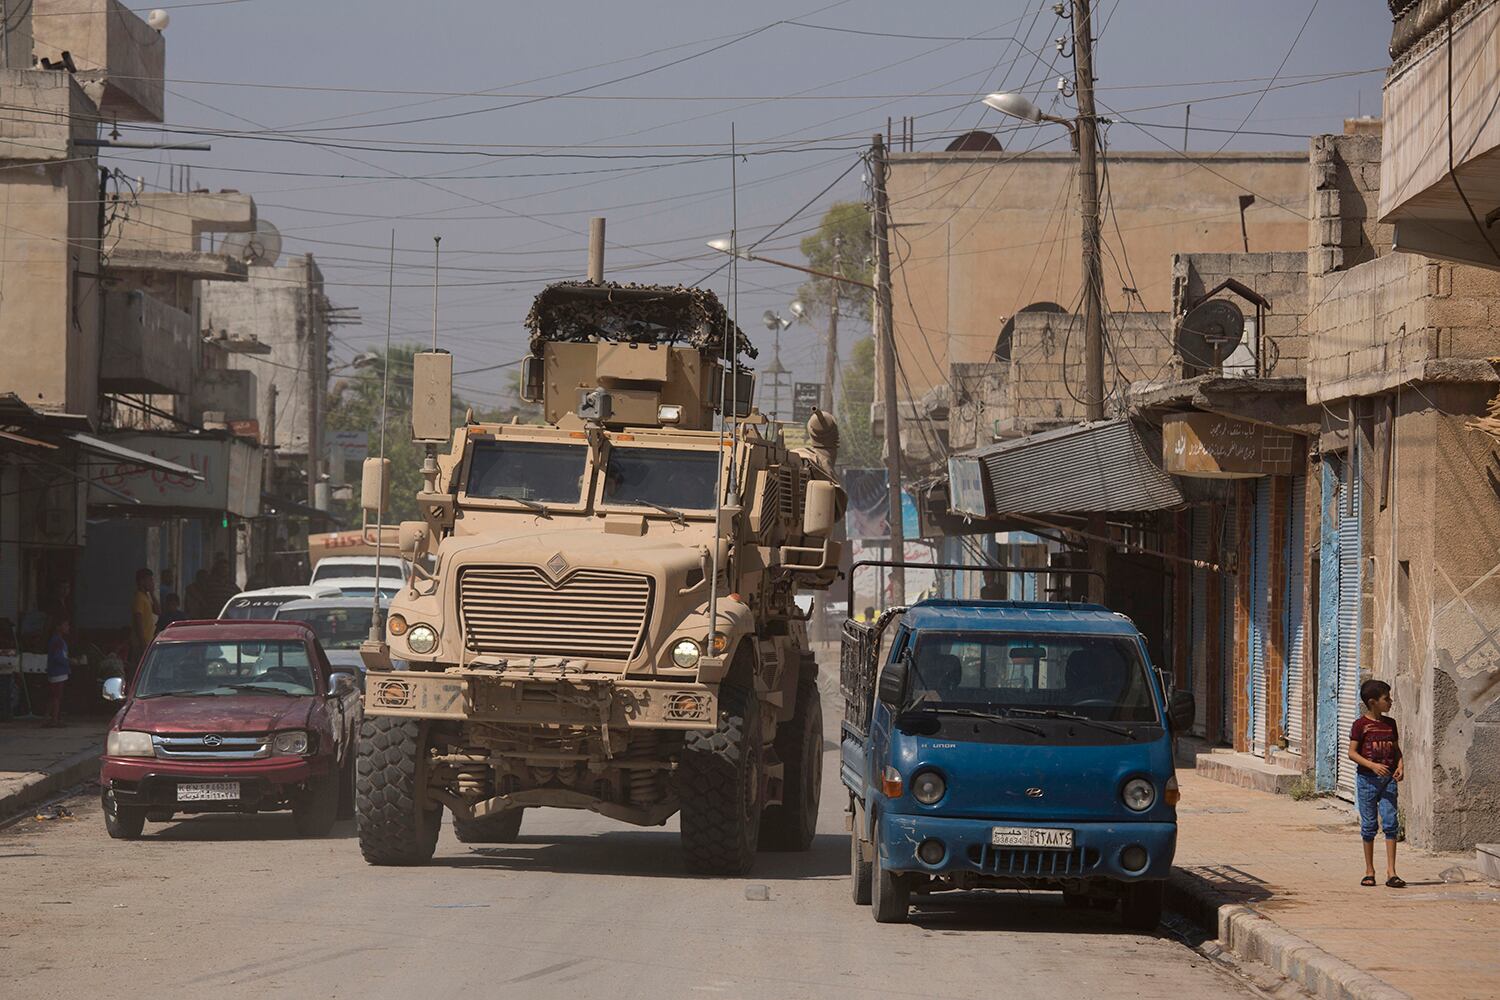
column 581, row 907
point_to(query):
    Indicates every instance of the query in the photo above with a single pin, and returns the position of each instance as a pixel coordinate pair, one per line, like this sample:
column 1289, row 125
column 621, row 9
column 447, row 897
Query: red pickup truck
column 231, row 716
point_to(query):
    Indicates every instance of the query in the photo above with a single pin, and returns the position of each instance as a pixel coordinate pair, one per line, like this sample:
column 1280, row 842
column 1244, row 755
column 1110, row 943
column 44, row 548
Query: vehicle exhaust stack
column 596, row 251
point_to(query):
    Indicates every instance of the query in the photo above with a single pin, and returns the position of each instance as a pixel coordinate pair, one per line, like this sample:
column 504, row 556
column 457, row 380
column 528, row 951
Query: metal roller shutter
column 1227, row 587
column 1199, row 581
column 1260, row 631
column 1350, row 538
column 1295, row 619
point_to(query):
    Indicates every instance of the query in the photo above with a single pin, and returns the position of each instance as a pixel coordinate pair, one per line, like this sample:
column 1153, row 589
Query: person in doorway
column 197, row 598
column 1375, row 748
column 221, row 585
column 171, row 611
column 59, row 668
column 143, row 612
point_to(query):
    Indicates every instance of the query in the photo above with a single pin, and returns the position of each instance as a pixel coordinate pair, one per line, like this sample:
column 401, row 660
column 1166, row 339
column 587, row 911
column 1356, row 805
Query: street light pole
column 831, row 351
column 1088, row 192
column 887, row 332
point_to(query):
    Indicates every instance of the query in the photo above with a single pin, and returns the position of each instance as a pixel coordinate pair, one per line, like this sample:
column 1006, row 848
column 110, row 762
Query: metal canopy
column 101, row 447
column 1103, row 467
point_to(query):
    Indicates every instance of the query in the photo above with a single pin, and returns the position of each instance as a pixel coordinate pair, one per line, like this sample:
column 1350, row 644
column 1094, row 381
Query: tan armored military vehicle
column 609, row 622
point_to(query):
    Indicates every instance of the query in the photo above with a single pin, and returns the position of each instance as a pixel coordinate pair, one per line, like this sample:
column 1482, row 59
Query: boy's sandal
column 1395, row 882
column 1367, row 880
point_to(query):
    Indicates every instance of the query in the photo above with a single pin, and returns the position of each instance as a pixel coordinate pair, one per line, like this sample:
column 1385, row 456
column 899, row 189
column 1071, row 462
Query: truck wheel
column 792, row 825
column 346, row 789
column 396, row 825
column 495, row 828
column 316, row 808
column 121, row 822
column 860, row 871
column 890, row 892
column 720, row 784
column 1142, row 906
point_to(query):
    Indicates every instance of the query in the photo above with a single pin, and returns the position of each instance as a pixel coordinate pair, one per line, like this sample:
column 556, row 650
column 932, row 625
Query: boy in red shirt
column 1375, row 746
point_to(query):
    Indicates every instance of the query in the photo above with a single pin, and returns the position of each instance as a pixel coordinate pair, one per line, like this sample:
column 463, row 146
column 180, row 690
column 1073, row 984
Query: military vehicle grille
column 517, row 610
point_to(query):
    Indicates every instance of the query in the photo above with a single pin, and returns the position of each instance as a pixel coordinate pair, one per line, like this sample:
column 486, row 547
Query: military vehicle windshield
column 527, row 471
column 670, row 477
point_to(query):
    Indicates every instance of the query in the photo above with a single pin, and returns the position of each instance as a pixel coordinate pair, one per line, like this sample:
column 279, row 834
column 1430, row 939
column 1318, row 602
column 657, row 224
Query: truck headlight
column 928, row 787
column 686, row 654
column 422, row 638
column 292, row 743
column 1138, row 794
column 128, row 743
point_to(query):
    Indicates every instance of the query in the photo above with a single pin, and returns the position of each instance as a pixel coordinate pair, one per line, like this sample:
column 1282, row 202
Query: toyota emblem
column 211, row 740
column 1034, row 793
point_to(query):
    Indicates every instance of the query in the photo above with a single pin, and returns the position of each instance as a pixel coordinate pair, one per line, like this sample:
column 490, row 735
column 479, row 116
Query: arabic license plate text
column 209, row 791
column 1031, row 836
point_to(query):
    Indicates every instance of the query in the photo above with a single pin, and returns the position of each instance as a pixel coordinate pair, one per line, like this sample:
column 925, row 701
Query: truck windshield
column 1099, row 677
column 538, row 471
column 669, row 476
column 226, row 668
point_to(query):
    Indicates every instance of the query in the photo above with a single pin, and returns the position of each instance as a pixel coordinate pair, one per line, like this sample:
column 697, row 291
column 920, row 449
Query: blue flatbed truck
column 1008, row 745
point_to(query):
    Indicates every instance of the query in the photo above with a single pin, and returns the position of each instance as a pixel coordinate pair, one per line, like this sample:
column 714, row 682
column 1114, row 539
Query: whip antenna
column 385, row 390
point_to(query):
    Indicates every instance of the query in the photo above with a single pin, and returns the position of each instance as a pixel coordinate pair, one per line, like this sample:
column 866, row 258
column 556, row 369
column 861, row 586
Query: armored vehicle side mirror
column 375, row 486
column 819, row 509
column 531, row 379
column 893, row 681
column 114, row 689
column 739, row 390
column 1181, row 710
column 431, row 396
column 410, row 537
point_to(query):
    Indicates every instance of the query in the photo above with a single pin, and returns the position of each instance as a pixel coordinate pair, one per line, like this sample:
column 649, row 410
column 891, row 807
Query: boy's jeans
column 1376, row 796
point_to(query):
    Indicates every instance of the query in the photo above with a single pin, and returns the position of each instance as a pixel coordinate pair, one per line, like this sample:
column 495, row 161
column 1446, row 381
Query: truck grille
column 592, row 614
column 1020, row 861
column 199, row 746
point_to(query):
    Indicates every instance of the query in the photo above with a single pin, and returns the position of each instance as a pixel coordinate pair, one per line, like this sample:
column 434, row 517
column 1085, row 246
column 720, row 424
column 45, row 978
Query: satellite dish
column 159, row 19
column 260, row 247
column 1209, row 333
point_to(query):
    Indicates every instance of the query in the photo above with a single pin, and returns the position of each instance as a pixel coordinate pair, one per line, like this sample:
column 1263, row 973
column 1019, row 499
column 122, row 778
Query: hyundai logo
column 1034, row 793
column 211, row 740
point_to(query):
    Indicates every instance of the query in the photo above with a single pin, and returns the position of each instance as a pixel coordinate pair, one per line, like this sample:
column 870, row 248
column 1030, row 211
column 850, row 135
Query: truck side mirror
column 1181, row 710
column 819, row 509
column 431, row 396
column 114, row 689
column 409, row 537
column 375, row 486
column 892, row 684
column 532, row 384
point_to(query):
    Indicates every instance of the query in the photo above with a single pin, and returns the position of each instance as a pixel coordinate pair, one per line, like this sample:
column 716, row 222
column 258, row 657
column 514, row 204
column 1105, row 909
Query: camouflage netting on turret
column 578, row 311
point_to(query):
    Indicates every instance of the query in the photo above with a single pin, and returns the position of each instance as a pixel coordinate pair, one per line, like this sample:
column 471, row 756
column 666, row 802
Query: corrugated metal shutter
column 1227, row 587
column 1295, row 619
column 1198, row 599
column 1260, row 622
column 1351, row 503
column 1100, row 466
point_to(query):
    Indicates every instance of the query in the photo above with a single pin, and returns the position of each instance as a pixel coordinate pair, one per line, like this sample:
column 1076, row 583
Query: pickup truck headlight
column 1138, row 794
column 292, row 743
column 422, row 639
column 128, row 743
column 685, row 653
column 928, row 787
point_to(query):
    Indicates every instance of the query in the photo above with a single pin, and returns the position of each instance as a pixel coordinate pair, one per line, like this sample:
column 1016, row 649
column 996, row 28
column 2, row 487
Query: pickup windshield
column 220, row 668
column 671, row 477
column 538, row 471
column 1102, row 678
column 336, row 628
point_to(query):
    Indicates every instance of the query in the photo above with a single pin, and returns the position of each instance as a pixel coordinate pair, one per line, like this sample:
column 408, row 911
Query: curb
column 79, row 767
column 1251, row 937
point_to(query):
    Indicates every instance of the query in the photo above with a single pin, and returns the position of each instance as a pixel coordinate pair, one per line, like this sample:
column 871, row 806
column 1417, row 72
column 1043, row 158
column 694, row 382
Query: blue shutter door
column 1260, row 569
column 1351, row 503
column 1295, row 621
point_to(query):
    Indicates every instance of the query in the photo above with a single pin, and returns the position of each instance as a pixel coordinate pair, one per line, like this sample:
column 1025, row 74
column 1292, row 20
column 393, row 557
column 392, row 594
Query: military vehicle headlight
column 422, row 638
column 686, row 653
column 1138, row 794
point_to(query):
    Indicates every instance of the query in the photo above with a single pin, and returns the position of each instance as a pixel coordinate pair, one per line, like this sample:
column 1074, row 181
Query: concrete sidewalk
column 36, row 762
column 1279, row 879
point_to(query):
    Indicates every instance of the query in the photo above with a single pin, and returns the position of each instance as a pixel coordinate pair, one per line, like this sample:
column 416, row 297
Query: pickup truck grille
column 594, row 614
column 200, row 746
column 1021, row 861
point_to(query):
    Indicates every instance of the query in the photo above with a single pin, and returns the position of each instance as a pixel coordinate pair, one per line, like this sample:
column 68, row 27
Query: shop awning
column 1103, row 467
column 120, row 453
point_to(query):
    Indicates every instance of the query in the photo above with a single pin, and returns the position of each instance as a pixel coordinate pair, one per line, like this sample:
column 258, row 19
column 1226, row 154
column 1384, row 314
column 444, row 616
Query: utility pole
column 831, row 351
column 887, row 333
column 1093, row 278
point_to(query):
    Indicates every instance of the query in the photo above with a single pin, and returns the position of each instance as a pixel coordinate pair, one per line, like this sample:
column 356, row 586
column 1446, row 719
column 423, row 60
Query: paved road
column 582, row 907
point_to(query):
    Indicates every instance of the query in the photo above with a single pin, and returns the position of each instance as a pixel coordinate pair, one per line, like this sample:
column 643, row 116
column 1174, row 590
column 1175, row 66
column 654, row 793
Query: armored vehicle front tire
column 792, row 825
column 396, row 824
column 495, row 828
column 719, row 781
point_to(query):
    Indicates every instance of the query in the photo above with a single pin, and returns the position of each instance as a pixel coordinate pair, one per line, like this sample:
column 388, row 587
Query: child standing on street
column 1375, row 746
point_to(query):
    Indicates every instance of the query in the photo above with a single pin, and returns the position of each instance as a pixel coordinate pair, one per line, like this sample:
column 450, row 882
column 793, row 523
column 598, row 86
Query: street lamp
column 725, row 245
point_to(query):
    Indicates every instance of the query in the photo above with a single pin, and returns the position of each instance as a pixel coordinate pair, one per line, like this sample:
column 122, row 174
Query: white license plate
column 209, row 791
column 1031, row 836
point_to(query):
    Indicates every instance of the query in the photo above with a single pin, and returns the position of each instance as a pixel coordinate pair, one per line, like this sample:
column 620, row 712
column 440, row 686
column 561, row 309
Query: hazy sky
column 471, row 120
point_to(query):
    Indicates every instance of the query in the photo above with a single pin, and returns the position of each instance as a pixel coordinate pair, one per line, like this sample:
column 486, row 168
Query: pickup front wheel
column 316, row 808
column 890, row 892
column 396, row 824
column 122, row 822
